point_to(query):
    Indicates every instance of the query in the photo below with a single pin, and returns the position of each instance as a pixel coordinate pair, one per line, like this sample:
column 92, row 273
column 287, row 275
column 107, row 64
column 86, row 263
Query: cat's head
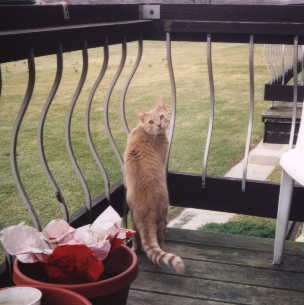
column 156, row 121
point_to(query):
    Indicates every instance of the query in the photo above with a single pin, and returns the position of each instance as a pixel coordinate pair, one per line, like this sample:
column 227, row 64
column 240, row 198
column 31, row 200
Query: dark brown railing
column 30, row 31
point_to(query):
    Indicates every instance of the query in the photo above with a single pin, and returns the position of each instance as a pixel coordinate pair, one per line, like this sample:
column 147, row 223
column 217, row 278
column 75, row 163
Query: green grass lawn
column 243, row 227
column 276, row 174
column 249, row 225
column 149, row 85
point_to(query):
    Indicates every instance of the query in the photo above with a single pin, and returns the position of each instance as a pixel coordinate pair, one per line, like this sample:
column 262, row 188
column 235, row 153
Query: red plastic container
column 111, row 291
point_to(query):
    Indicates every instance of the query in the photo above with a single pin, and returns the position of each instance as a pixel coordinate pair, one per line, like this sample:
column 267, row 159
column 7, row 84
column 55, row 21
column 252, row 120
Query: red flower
column 73, row 264
column 121, row 237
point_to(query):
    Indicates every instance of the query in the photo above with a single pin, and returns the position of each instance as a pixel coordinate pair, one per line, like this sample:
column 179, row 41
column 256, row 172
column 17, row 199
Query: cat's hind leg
column 136, row 246
column 161, row 233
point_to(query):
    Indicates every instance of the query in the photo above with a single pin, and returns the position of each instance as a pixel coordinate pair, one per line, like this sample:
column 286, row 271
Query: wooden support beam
column 16, row 17
column 230, row 12
column 284, row 93
column 45, row 40
column 235, row 27
column 225, row 194
column 238, row 31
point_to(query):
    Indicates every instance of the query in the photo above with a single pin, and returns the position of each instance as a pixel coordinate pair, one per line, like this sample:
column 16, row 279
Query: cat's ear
column 161, row 107
column 140, row 115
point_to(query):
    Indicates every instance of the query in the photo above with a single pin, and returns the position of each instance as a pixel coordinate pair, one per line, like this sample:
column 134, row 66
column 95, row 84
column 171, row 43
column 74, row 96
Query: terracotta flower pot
column 58, row 296
column 111, row 291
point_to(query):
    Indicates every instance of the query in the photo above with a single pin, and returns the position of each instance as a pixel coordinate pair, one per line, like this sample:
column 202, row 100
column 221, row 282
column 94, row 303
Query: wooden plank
column 277, row 123
column 78, row 27
column 259, row 2
column 272, row 15
column 196, row 2
column 262, row 13
column 235, row 27
column 212, row 290
column 282, row 113
column 230, row 241
column 45, row 41
column 138, row 297
column 259, row 199
column 38, row 16
column 239, row 257
column 284, row 93
column 142, row 1
column 221, row 271
column 215, row 281
column 230, row 273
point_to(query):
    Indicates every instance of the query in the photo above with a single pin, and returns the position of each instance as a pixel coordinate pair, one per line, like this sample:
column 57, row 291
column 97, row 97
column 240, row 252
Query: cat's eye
column 151, row 122
column 161, row 116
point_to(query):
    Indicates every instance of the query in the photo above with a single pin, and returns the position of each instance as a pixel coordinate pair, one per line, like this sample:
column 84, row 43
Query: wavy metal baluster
column 68, row 127
column 251, row 111
column 107, row 101
column 41, row 151
column 268, row 54
column 123, row 109
column 173, row 96
column 8, row 261
column 283, row 63
column 126, row 86
column 88, row 117
column 274, row 62
column 0, row 81
column 212, row 109
column 13, row 155
column 295, row 92
column 302, row 64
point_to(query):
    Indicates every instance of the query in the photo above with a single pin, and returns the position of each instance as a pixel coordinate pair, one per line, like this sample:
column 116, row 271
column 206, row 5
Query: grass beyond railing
column 150, row 83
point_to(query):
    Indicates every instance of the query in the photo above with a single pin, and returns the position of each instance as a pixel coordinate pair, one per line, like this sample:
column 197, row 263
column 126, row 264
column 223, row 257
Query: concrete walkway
column 262, row 161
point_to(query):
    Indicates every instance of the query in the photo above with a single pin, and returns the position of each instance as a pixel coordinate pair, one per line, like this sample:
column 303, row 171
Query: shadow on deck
column 222, row 269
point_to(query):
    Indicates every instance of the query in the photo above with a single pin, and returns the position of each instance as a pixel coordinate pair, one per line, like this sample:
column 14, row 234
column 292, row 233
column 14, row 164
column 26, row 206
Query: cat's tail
column 160, row 257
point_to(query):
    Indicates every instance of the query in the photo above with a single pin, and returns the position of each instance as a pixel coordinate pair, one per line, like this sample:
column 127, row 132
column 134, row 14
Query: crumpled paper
column 30, row 245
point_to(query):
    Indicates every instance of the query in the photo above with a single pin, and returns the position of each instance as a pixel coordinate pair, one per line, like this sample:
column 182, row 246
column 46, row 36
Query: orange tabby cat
column 146, row 183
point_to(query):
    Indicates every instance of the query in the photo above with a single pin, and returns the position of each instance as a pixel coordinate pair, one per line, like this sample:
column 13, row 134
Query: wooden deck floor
column 221, row 269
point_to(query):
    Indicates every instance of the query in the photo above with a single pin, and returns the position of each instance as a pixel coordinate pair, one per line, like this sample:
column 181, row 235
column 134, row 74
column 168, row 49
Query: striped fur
column 145, row 180
column 158, row 256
